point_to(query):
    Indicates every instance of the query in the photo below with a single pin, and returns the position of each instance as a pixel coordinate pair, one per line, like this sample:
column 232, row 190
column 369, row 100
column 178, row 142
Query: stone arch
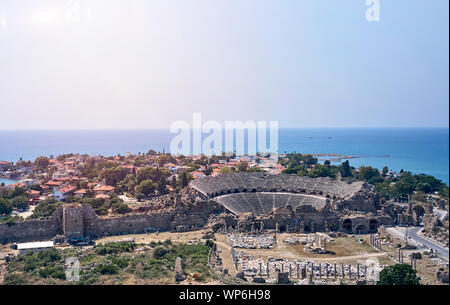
column 418, row 212
column 360, row 229
column 347, row 225
column 307, row 229
column 373, row 225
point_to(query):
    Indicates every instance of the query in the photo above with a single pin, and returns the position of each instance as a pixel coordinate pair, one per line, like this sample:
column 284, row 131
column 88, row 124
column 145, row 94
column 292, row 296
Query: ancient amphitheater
column 296, row 203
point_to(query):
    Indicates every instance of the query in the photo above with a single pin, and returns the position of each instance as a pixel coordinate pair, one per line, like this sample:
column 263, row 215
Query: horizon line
column 287, row 127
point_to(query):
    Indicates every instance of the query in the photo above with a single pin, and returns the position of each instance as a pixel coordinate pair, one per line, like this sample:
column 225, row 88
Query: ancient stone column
column 357, row 270
column 365, row 271
column 335, row 271
column 327, row 269
column 320, row 270
column 350, row 271
column 343, row 270
column 303, row 273
column 260, row 268
column 312, row 269
column 290, row 270
column 298, row 270
column 268, row 270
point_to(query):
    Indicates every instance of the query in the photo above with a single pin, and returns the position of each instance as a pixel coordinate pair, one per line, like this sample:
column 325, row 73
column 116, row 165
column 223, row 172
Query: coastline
column 418, row 150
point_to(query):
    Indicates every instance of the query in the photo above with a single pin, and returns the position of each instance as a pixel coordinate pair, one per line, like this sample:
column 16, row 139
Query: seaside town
column 297, row 219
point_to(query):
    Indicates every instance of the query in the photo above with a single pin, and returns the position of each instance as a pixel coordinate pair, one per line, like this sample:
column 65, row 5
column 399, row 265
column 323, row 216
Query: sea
column 419, row 150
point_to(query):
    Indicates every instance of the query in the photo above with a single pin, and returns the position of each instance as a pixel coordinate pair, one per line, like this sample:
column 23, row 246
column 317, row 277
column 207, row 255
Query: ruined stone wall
column 76, row 220
column 366, row 200
column 28, row 231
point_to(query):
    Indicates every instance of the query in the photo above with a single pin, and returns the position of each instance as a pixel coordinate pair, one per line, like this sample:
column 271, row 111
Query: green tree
column 140, row 196
column 45, row 208
column 114, row 175
column 242, row 166
column 399, row 274
column 162, row 187
column 20, row 202
column 184, row 179
column 225, row 170
column 419, row 196
column 208, row 171
column 41, row 162
column 345, row 169
column 367, row 173
column 150, row 173
column 146, row 187
column 321, row 171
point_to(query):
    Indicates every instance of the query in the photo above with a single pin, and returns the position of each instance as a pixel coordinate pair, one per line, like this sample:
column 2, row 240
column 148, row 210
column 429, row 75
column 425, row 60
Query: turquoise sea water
column 424, row 150
column 7, row 181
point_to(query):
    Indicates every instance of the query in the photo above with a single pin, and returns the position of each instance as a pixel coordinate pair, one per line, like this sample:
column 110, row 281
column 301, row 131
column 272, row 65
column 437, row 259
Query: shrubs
column 209, row 243
column 106, row 269
column 117, row 247
column 160, row 252
column 120, row 208
column 103, row 262
column 14, row 279
column 56, row 272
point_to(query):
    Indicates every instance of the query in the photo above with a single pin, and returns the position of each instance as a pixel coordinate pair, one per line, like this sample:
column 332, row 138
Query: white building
column 34, row 246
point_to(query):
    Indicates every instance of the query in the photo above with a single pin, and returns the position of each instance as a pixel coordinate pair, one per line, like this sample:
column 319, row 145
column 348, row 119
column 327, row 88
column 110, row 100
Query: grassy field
column 343, row 246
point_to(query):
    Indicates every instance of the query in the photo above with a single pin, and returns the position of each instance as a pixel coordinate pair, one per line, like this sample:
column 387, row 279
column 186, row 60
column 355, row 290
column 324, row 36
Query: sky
column 103, row 64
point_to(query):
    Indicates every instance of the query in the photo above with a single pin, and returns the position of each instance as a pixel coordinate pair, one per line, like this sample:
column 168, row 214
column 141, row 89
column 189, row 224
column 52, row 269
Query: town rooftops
column 35, row 245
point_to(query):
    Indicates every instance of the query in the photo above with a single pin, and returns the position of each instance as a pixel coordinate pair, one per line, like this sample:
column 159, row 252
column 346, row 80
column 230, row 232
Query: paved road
column 412, row 234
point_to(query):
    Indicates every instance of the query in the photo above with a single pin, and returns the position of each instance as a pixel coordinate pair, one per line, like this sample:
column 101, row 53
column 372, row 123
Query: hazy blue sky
column 140, row 64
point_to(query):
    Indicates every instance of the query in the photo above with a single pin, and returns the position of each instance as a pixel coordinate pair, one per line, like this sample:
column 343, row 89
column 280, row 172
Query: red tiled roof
column 104, row 188
column 54, row 183
column 66, row 189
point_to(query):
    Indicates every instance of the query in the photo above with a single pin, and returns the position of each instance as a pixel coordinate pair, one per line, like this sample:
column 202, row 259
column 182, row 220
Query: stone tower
column 73, row 225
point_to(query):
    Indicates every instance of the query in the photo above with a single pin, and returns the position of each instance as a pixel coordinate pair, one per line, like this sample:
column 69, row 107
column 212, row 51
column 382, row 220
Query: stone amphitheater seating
column 264, row 203
column 263, row 182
